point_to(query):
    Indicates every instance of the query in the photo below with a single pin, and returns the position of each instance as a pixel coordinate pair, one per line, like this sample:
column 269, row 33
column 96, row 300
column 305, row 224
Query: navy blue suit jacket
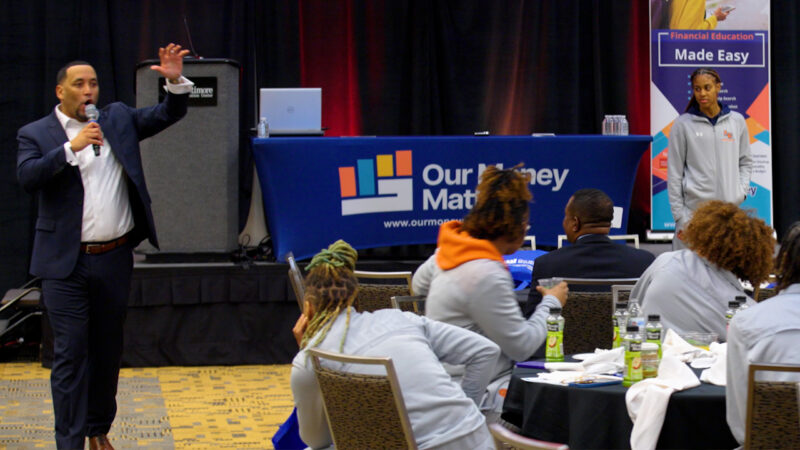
column 42, row 168
column 592, row 256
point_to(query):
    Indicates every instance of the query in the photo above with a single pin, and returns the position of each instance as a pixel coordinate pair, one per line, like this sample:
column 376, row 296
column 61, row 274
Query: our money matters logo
column 383, row 184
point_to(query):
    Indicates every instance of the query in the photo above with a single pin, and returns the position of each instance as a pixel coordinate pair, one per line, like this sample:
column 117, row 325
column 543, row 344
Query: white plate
column 582, row 356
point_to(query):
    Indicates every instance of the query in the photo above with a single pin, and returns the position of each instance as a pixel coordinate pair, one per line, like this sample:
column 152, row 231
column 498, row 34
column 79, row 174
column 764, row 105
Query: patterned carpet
column 159, row 408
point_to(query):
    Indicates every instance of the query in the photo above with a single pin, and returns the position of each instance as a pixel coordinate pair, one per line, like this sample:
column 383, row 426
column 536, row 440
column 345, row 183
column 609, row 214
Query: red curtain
column 328, row 59
column 639, row 96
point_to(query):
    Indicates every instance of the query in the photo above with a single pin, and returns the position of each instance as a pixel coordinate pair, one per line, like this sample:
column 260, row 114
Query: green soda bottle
column 554, row 351
column 633, row 356
column 654, row 331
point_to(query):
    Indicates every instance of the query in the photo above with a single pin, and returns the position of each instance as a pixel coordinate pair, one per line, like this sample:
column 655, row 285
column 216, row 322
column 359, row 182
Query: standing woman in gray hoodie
column 709, row 153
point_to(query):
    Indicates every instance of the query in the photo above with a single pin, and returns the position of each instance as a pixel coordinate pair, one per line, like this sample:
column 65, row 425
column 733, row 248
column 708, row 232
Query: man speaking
column 94, row 208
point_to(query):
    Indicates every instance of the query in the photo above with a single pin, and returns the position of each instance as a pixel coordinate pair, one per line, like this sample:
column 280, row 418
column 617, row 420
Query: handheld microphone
column 92, row 113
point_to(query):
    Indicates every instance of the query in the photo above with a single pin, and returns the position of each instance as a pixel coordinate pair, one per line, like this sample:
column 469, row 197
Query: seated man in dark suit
column 587, row 221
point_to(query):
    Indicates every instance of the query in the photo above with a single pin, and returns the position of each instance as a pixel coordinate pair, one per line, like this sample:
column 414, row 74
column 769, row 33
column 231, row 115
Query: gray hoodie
column 707, row 162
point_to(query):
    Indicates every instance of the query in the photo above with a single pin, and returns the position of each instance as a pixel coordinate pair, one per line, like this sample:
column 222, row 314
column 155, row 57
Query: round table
column 598, row 418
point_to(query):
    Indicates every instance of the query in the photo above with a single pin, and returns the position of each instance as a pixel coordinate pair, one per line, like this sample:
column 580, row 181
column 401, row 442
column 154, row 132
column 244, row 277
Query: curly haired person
column 691, row 288
column 467, row 283
column 442, row 413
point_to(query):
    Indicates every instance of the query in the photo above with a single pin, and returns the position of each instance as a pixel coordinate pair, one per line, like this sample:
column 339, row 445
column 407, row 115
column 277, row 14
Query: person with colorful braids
column 443, row 414
column 468, row 284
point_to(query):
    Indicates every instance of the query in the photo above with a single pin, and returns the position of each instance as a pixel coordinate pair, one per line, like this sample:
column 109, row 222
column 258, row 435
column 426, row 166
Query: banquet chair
column 614, row 237
column 507, row 439
column 762, row 294
column 409, row 303
column 296, row 280
column 19, row 305
column 587, row 315
column 772, row 419
column 377, row 294
column 620, row 293
column 363, row 411
column 531, row 239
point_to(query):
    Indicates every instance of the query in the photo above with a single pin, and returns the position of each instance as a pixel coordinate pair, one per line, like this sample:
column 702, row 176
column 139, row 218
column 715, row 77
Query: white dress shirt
column 107, row 211
column 767, row 333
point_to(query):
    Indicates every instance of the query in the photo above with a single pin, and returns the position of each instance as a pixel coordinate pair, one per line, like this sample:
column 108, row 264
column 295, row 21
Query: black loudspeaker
column 192, row 167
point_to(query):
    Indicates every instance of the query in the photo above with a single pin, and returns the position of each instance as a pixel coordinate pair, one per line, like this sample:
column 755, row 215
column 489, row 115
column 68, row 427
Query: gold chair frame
column 581, row 309
column 296, row 280
column 507, row 439
column 356, row 410
column 410, row 303
column 785, row 422
column 374, row 296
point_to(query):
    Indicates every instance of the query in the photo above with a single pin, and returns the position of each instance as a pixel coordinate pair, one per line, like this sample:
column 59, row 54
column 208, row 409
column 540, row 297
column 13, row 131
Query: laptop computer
column 292, row 111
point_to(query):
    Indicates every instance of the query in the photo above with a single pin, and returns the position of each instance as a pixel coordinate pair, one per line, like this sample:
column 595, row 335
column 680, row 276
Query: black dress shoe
column 100, row 442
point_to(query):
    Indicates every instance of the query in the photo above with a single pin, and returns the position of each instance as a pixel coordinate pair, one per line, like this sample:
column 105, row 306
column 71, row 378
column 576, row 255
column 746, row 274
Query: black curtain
column 395, row 67
column 785, row 97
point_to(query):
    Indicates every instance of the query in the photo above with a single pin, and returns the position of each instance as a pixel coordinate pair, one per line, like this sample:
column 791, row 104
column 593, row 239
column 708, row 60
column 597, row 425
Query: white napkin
column 707, row 359
column 716, row 373
column 560, row 378
column 602, row 361
column 605, row 361
column 675, row 345
column 559, row 366
column 647, row 400
column 563, row 378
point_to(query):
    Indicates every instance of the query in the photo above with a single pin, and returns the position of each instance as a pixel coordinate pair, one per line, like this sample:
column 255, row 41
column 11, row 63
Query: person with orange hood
column 468, row 284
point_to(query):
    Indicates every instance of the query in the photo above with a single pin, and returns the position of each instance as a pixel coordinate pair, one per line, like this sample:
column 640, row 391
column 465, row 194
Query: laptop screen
column 295, row 111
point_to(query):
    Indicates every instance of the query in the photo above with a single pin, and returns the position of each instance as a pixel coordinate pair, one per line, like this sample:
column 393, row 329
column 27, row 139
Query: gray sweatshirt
column 689, row 292
column 707, row 162
column 443, row 414
column 479, row 296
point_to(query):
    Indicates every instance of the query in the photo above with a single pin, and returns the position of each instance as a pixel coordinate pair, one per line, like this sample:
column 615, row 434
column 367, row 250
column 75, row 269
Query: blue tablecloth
column 376, row 192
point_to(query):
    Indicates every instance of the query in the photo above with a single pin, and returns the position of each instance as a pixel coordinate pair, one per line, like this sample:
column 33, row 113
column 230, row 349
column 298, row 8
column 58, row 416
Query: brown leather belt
column 96, row 248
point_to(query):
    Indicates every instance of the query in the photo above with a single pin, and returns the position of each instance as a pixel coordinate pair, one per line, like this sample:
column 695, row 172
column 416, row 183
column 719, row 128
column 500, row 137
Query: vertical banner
column 731, row 37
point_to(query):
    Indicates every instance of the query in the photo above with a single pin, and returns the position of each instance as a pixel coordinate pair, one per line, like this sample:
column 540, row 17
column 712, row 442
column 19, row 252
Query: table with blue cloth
column 597, row 417
column 385, row 191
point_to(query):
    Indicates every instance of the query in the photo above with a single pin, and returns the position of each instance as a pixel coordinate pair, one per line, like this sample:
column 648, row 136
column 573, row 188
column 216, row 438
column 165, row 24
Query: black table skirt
column 598, row 418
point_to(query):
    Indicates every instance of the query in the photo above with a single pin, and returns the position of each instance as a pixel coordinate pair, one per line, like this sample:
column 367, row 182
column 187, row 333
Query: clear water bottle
column 623, row 126
column 742, row 300
column 615, row 125
column 607, row 124
column 554, row 352
column 635, row 316
column 733, row 306
column 263, row 128
column 633, row 356
column 619, row 320
column 654, row 331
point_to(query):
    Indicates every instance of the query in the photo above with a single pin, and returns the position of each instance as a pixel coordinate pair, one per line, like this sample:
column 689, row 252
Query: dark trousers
column 87, row 313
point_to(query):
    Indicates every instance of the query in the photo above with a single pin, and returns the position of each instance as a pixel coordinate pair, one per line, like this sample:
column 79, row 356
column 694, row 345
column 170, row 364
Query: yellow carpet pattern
column 159, row 408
